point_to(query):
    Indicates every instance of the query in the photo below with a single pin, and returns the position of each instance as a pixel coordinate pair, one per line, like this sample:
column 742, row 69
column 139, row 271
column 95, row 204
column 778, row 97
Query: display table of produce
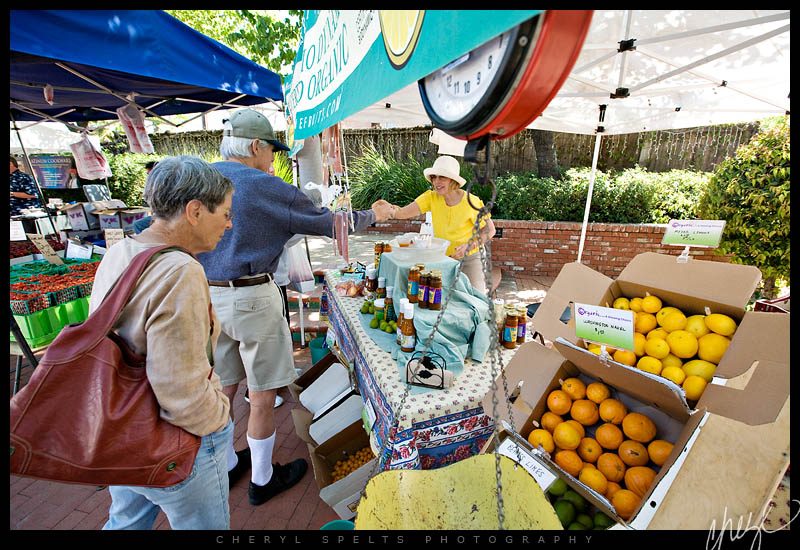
column 436, row 426
column 45, row 297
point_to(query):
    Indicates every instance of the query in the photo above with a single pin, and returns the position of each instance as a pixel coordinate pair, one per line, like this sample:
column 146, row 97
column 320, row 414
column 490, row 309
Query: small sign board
column 604, row 325
column 113, row 236
column 78, row 251
column 542, row 475
column 705, row 233
column 44, row 247
column 17, row 231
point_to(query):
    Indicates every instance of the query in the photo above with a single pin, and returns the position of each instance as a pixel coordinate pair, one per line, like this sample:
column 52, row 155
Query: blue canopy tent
column 98, row 61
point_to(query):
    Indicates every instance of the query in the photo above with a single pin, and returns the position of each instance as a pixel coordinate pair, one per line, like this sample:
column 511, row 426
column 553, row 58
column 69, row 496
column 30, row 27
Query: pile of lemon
column 667, row 342
column 348, row 465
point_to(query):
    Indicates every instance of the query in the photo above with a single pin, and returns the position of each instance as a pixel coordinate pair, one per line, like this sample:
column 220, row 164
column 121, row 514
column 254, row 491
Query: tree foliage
column 267, row 40
column 750, row 191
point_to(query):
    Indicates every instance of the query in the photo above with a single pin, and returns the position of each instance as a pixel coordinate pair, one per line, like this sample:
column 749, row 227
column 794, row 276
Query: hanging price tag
column 113, row 236
column 44, row 247
column 17, row 231
column 542, row 475
column 604, row 325
column 705, row 233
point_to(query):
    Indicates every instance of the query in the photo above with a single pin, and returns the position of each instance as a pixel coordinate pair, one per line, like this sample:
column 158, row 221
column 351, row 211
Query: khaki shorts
column 473, row 269
column 255, row 342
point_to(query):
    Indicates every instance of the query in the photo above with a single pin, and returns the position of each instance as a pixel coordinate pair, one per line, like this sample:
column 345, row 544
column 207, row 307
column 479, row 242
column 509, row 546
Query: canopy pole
column 589, row 194
column 33, row 174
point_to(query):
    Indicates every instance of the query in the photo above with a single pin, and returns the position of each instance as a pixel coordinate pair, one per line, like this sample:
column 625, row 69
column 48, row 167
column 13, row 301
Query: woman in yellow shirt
column 453, row 217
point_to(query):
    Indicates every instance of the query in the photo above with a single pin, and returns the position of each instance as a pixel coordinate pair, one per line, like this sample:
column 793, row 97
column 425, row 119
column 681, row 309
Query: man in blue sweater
column 255, row 342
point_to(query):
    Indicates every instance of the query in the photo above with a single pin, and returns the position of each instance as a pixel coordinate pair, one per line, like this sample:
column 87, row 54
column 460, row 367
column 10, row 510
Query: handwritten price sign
column 44, row 247
column 604, row 325
column 706, row 233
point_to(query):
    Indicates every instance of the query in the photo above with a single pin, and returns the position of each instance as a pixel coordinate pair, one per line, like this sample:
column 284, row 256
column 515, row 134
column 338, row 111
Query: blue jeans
column 198, row 502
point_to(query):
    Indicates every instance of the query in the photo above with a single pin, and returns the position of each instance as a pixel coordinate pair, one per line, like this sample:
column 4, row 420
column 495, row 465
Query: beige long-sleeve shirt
column 167, row 320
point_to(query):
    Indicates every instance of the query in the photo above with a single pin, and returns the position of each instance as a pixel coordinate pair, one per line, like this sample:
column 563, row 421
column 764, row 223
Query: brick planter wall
column 531, row 249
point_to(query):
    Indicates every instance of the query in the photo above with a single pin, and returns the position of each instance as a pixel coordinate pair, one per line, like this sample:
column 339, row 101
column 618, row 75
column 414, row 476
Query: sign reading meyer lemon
column 604, row 325
column 349, row 59
column 707, row 233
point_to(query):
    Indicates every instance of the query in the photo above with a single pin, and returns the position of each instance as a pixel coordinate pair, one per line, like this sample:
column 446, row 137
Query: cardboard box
column 696, row 287
column 692, row 287
column 536, row 370
column 122, row 218
column 82, row 216
column 343, row 495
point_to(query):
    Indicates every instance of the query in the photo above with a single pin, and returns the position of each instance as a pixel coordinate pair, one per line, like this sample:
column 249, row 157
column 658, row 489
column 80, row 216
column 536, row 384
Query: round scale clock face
column 456, row 89
column 501, row 86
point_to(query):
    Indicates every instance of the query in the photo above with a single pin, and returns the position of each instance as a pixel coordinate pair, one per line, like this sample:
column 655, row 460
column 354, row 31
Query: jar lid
column 379, row 303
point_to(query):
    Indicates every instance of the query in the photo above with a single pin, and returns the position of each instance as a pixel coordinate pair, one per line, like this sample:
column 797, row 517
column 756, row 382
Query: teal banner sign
column 349, row 59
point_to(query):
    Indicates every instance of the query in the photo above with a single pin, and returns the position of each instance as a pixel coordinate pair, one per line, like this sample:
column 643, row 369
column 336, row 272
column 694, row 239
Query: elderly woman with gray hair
column 168, row 320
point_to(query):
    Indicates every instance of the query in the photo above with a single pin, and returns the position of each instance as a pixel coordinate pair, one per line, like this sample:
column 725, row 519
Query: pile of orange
column 682, row 348
column 346, row 466
column 620, row 457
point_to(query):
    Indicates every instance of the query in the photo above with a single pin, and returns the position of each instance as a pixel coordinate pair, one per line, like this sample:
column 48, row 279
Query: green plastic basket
column 42, row 327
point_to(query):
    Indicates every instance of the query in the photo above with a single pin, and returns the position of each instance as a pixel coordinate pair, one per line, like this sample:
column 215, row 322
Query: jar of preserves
column 413, row 285
column 499, row 316
column 522, row 323
column 380, row 292
column 510, row 328
column 378, row 252
column 435, row 290
column 424, row 280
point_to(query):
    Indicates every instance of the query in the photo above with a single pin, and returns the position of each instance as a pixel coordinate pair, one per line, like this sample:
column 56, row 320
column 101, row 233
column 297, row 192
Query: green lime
column 383, row 325
column 602, row 521
column 389, row 329
column 586, row 520
column 371, row 308
column 365, row 308
column 565, row 511
column 577, row 500
column 373, row 323
column 576, row 526
column 558, row 487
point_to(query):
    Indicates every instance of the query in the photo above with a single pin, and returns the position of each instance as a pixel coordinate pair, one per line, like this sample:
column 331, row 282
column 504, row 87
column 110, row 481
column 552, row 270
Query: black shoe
column 241, row 467
column 283, row 477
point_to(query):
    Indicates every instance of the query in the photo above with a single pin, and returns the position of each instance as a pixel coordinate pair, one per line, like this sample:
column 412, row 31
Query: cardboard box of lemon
column 690, row 318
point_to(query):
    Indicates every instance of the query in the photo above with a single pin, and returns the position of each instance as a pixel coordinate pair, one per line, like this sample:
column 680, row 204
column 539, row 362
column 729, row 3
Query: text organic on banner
column 349, row 59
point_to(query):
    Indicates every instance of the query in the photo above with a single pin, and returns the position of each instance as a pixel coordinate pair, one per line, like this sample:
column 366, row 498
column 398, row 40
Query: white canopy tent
column 645, row 70
column 42, row 137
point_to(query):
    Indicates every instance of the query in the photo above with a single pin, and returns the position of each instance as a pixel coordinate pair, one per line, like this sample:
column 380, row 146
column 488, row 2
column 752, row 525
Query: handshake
column 384, row 210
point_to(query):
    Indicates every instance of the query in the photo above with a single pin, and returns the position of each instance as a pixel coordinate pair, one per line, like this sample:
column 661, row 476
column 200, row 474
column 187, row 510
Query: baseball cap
column 247, row 123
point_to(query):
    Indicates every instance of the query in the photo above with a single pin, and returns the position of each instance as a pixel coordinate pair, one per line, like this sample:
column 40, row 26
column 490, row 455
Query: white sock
column 233, row 460
column 261, row 456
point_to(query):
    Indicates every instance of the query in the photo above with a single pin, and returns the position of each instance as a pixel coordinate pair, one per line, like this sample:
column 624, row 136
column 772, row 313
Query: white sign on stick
column 17, row 231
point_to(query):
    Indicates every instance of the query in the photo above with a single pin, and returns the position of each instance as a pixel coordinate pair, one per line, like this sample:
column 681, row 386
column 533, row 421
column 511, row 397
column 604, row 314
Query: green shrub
column 128, row 177
column 751, row 193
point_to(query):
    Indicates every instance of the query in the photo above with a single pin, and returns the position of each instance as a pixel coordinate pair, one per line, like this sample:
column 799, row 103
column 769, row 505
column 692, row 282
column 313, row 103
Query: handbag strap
column 106, row 315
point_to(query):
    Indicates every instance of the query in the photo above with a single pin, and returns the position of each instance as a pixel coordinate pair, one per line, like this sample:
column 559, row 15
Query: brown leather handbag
column 88, row 414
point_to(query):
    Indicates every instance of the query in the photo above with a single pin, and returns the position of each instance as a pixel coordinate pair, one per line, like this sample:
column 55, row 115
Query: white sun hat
column 447, row 167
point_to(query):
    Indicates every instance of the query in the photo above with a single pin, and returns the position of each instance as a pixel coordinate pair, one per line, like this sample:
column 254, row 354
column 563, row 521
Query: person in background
column 453, row 217
column 23, row 189
column 144, row 223
column 255, row 343
column 149, row 165
column 168, row 320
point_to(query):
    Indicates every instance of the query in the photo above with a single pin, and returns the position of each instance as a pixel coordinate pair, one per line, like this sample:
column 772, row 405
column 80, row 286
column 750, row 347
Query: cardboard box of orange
column 344, row 494
column 746, row 402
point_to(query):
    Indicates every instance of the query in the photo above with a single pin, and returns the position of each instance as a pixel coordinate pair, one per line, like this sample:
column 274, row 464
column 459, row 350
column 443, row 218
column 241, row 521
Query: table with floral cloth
column 436, row 427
